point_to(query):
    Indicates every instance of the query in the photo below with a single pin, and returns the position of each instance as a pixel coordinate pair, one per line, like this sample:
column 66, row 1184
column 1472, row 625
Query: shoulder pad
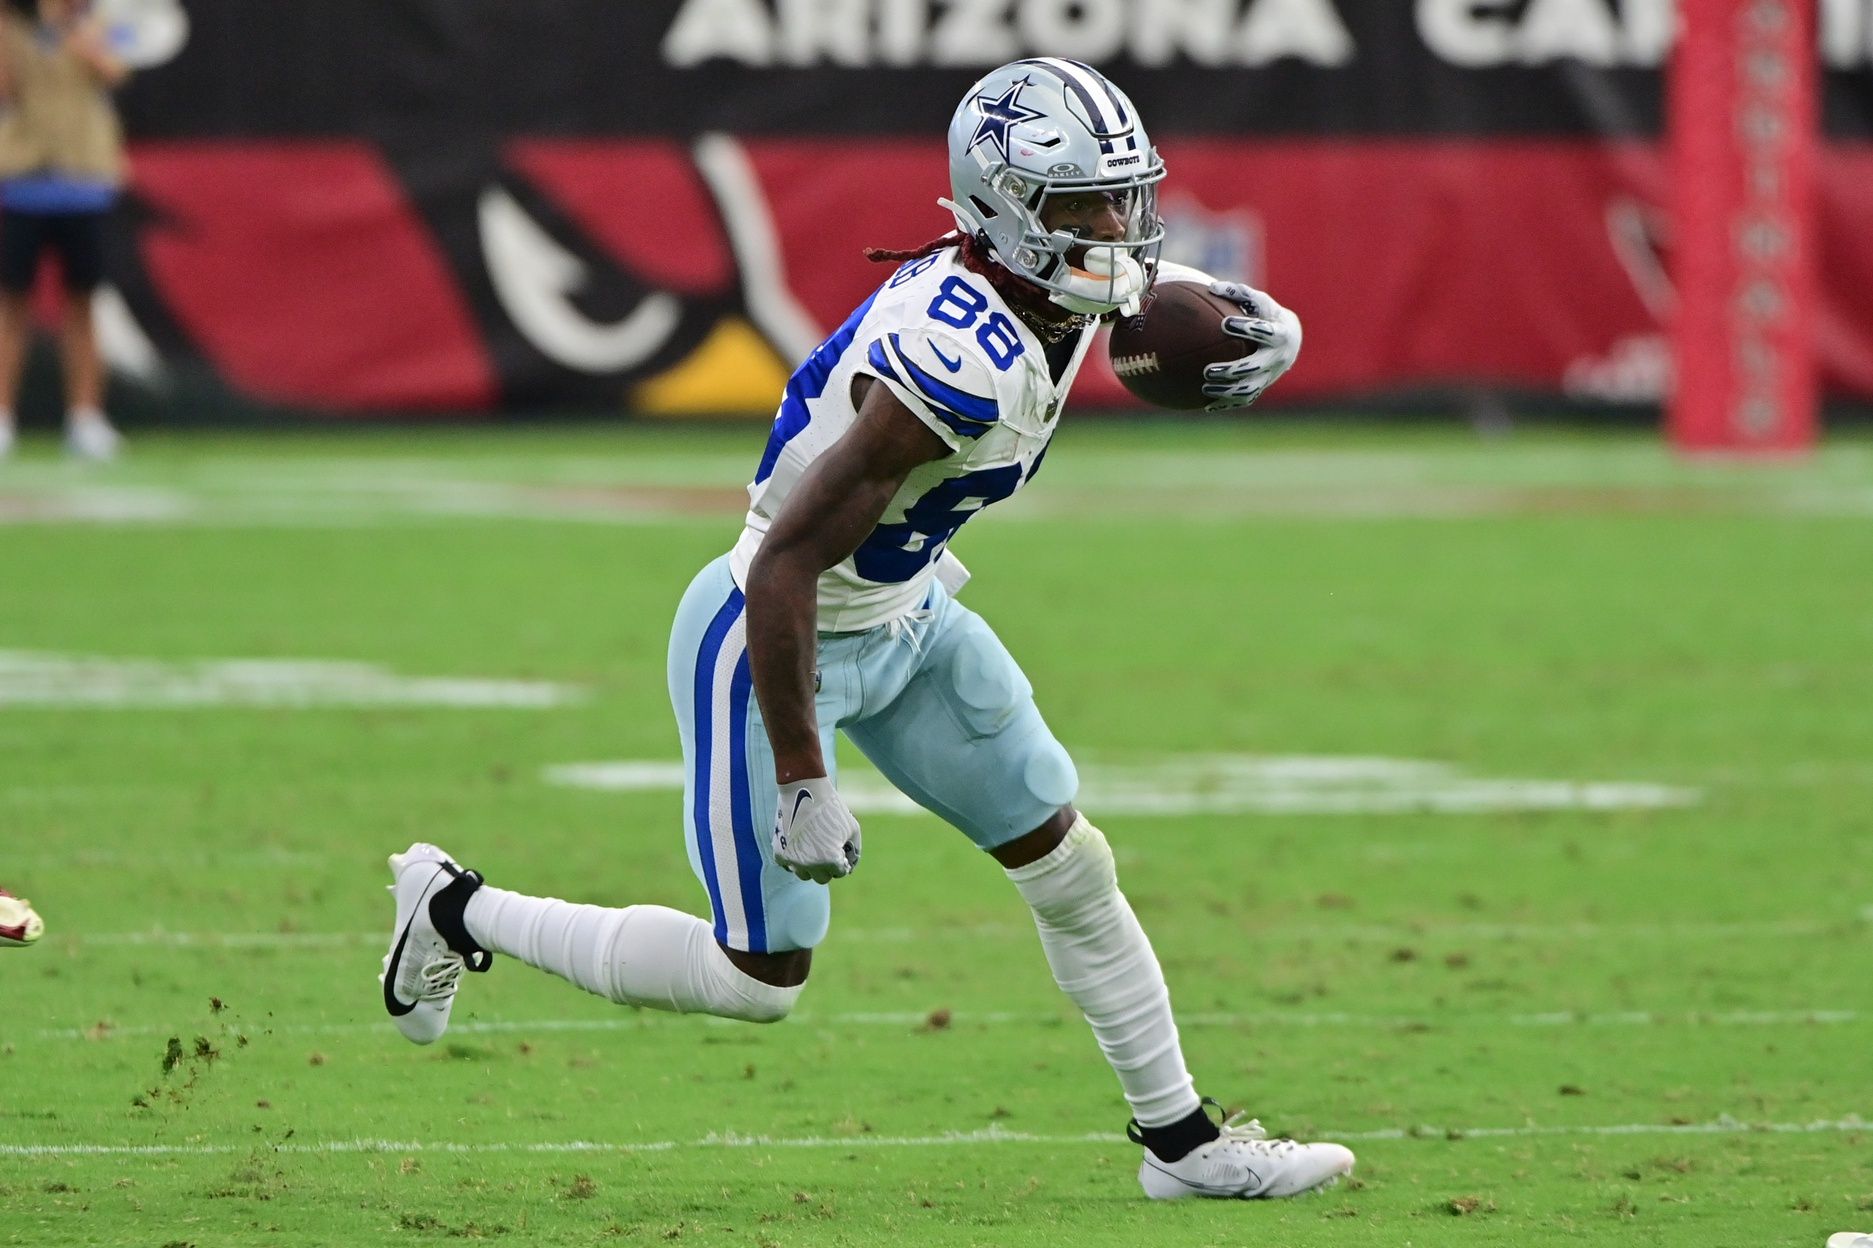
column 943, row 379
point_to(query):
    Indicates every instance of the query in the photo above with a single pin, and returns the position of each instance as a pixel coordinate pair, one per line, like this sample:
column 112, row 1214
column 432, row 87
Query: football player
column 836, row 611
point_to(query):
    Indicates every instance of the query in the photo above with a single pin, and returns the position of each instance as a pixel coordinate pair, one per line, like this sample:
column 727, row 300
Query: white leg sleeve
column 1102, row 960
column 640, row 955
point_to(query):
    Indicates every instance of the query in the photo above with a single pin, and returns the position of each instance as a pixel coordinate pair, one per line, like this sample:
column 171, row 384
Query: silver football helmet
column 1044, row 127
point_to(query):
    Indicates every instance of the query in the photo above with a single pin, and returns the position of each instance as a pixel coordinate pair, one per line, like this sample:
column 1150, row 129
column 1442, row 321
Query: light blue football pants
column 937, row 704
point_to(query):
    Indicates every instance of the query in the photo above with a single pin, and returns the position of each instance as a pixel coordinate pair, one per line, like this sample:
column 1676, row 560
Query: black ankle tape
column 446, row 910
column 1175, row 1141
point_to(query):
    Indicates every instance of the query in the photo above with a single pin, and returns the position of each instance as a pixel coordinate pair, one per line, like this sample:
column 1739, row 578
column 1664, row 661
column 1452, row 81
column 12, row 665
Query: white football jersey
column 960, row 359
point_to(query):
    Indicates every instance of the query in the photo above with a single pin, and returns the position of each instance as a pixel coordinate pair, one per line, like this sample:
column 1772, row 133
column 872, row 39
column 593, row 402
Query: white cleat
column 93, row 437
column 1244, row 1164
column 1849, row 1239
column 422, row 970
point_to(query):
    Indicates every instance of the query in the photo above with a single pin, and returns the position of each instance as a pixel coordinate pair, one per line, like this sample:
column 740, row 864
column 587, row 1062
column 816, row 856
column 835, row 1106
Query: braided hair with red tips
column 1046, row 317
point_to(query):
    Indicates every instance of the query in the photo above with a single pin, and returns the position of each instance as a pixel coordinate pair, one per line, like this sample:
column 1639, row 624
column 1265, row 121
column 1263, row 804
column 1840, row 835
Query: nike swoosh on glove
column 1275, row 334
column 815, row 835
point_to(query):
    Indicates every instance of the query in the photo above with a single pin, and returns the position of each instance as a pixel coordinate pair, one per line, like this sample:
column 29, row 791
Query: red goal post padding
column 1742, row 117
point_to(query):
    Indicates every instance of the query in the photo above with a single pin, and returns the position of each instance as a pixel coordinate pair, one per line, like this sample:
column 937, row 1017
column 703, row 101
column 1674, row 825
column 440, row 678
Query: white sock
column 80, row 415
column 1102, row 960
column 640, row 955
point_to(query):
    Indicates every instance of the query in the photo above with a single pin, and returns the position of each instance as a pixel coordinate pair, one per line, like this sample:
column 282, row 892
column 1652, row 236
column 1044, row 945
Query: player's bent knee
column 1079, row 873
column 771, row 1011
column 1038, row 780
column 736, row 993
column 1050, row 776
column 757, row 1002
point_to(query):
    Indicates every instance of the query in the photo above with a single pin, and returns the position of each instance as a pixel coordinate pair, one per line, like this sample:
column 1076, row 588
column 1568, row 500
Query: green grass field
column 1564, row 922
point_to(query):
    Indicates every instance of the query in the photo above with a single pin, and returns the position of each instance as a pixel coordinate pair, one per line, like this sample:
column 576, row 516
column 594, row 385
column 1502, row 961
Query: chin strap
column 1111, row 281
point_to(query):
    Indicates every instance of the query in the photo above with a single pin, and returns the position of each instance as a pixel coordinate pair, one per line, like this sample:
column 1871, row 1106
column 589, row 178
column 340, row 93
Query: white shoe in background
column 1850, row 1239
column 92, row 437
column 8, row 439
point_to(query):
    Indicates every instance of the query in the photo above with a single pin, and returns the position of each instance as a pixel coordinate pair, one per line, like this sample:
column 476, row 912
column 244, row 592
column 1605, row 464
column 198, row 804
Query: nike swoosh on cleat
column 397, row 1008
column 955, row 365
column 1204, row 1187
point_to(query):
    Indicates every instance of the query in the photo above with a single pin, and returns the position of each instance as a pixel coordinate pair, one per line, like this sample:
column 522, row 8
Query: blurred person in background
column 61, row 164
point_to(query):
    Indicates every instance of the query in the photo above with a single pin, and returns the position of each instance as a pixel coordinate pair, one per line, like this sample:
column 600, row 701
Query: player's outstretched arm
column 834, row 507
column 1272, row 331
column 1274, row 335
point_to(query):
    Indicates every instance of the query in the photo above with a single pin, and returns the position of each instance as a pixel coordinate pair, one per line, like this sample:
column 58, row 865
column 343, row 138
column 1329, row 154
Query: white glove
column 1111, row 281
column 1276, row 333
column 815, row 835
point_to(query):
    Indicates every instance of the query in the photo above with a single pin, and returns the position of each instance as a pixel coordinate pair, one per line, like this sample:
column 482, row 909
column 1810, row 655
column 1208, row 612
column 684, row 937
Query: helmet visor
column 1088, row 227
column 1126, row 217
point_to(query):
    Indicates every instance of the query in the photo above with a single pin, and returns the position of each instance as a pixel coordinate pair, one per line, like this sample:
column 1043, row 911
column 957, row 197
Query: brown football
column 1160, row 353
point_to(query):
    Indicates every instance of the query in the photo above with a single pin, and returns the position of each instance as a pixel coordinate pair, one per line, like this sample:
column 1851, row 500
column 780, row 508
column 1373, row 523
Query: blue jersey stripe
column 882, row 362
column 808, row 382
column 747, row 849
column 962, row 425
column 706, row 660
column 960, row 402
column 956, row 424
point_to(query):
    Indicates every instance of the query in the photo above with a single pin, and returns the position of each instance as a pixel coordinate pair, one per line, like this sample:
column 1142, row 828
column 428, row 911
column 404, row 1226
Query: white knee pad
column 1077, row 875
column 669, row 960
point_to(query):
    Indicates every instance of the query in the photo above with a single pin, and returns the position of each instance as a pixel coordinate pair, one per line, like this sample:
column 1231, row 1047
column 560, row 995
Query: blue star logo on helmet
column 998, row 114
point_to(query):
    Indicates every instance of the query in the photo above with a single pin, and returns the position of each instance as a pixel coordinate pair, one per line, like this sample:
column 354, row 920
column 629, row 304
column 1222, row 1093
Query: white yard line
column 1229, row 784
column 1337, row 484
column 165, row 859
column 1006, row 1018
column 1289, row 933
column 231, row 940
column 983, row 1136
column 37, row 679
